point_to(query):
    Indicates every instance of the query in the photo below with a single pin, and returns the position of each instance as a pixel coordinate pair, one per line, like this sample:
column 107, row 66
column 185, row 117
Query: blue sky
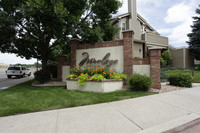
column 171, row 18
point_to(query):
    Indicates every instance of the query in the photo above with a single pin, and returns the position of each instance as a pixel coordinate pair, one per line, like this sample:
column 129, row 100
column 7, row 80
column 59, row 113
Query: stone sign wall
column 117, row 54
column 109, row 56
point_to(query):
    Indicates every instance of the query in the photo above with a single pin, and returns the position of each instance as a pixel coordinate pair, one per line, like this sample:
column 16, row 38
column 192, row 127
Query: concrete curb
column 186, row 126
column 174, row 125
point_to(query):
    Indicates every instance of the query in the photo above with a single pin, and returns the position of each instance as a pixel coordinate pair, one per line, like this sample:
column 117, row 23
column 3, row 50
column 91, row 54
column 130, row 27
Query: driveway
column 6, row 83
column 150, row 114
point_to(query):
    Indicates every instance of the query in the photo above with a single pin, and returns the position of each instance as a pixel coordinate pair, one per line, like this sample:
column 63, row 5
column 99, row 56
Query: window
column 123, row 26
column 143, row 29
column 117, row 25
column 14, row 68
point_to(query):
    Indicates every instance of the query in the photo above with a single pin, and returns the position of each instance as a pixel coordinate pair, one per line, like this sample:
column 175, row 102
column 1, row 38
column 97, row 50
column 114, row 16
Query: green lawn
column 197, row 77
column 24, row 98
column 165, row 71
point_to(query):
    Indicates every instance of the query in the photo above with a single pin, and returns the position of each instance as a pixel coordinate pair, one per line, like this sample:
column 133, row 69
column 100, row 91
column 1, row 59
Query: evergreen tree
column 194, row 37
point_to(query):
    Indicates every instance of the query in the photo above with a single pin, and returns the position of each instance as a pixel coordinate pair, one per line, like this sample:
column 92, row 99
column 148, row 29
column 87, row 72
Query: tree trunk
column 44, row 63
column 45, row 56
column 45, row 52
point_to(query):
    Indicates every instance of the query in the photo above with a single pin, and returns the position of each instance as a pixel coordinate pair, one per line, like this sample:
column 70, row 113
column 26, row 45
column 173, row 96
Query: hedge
column 180, row 79
column 139, row 82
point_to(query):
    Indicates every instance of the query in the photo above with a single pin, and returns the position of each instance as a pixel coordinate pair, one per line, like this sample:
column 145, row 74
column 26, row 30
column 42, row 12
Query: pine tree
column 194, row 37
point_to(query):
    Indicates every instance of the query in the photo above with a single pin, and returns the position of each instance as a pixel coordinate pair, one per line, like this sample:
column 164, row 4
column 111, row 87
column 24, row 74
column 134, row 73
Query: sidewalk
column 150, row 114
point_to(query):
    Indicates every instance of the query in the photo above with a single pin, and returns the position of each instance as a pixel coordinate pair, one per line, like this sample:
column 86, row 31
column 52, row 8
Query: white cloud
column 13, row 59
column 156, row 3
column 178, row 35
column 180, row 14
column 164, row 31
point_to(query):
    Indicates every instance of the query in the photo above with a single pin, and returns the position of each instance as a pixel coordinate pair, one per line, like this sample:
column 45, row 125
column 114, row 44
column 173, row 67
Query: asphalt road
column 6, row 83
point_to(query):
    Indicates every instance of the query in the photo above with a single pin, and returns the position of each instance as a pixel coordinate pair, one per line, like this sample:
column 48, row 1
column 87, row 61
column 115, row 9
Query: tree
column 194, row 37
column 37, row 64
column 41, row 28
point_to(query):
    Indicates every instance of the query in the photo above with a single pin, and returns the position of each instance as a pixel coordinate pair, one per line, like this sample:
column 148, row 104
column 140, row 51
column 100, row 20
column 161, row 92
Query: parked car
column 18, row 71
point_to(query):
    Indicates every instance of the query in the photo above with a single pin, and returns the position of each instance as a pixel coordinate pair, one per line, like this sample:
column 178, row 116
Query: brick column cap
column 128, row 31
column 155, row 48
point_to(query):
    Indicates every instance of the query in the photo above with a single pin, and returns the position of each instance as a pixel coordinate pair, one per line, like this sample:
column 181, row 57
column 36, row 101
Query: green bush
column 82, row 78
column 139, row 82
column 163, row 62
column 137, row 57
column 164, row 75
column 52, row 68
column 165, row 59
column 71, row 76
column 118, row 76
column 42, row 76
column 170, row 68
column 98, row 77
column 180, row 79
column 197, row 66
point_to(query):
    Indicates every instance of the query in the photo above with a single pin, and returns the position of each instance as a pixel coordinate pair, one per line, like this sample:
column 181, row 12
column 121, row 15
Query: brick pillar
column 62, row 61
column 73, row 47
column 128, row 52
column 155, row 67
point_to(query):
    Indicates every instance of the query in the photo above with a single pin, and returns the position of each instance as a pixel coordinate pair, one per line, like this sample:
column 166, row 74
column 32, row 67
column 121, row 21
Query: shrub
column 105, row 71
column 71, row 76
column 118, row 76
column 42, row 76
column 139, row 82
column 94, row 73
column 97, row 77
column 137, row 57
column 163, row 62
column 170, row 68
column 180, row 79
column 197, row 66
column 82, row 78
column 164, row 75
column 52, row 68
column 165, row 59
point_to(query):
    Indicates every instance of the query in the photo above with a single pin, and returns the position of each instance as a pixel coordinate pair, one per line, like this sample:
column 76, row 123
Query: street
column 6, row 83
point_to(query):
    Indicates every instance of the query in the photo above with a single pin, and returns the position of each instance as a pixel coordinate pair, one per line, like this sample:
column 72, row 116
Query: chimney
column 133, row 22
column 132, row 8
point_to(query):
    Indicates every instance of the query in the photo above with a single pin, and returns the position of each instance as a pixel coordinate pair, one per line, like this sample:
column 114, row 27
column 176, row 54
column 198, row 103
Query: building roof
column 139, row 17
column 121, row 16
